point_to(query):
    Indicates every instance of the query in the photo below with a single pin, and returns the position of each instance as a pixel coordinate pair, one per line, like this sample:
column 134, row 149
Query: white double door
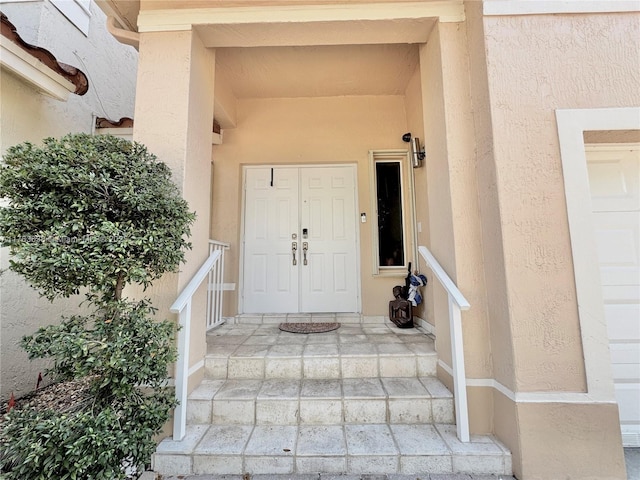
column 614, row 177
column 300, row 240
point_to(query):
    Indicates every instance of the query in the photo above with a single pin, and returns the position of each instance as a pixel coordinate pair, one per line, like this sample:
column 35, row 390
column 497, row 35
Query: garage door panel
column 628, row 395
column 625, row 353
column 618, row 244
column 622, row 321
column 621, row 293
column 614, row 180
column 626, row 372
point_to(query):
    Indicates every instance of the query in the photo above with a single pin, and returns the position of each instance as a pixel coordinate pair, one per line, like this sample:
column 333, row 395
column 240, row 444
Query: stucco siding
column 535, row 65
column 582, row 433
column 572, row 61
column 415, row 125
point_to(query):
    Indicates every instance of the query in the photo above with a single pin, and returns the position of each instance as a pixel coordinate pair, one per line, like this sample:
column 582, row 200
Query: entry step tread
column 352, row 351
column 321, row 401
column 350, row 449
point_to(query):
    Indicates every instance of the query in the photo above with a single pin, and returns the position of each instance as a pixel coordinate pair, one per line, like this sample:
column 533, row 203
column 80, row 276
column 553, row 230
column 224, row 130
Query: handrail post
column 216, row 286
column 182, row 306
column 459, row 376
column 182, row 373
column 220, row 297
column 457, row 303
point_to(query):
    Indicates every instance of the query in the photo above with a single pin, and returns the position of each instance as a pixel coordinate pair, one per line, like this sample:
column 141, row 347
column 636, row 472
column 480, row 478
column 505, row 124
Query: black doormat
column 309, row 327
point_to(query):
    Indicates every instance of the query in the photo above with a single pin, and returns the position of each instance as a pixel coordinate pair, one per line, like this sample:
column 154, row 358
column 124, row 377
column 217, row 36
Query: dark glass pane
column 390, row 237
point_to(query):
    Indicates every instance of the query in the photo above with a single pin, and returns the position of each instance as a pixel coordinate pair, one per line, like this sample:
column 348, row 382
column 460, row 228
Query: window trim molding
column 403, row 158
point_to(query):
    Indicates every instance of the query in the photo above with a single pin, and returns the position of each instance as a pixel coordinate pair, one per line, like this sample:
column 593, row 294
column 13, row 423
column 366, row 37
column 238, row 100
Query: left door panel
column 271, row 220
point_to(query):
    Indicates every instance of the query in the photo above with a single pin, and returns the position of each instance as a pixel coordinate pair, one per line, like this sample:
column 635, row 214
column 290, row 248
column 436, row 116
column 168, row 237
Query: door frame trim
column 241, row 243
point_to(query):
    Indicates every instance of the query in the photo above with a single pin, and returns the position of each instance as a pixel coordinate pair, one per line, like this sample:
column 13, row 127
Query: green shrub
column 90, row 211
column 89, row 444
column 93, row 212
column 120, row 345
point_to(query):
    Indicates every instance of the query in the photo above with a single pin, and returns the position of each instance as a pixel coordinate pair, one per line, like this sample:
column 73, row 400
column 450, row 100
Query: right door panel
column 329, row 281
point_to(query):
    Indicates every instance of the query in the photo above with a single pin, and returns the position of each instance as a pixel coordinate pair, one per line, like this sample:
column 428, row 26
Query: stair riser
column 352, row 465
column 343, row 319
column 217, row 368
column 321, row 411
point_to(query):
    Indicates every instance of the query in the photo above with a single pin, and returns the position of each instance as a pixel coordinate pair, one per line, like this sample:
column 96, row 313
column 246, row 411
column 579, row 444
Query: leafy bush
column 95, row 212
column 120, row 345
column 90, row 211
column 90, row 443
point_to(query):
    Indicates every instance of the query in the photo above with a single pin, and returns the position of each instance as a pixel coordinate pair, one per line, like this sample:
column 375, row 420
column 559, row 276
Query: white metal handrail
column 216, row 285
column 457, row 302
column 182, row 306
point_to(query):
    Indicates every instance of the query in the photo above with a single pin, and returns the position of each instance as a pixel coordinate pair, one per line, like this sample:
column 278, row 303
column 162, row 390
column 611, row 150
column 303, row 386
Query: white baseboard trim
column 226, row 287
column 194, row 368
column 531, row 397
column 430, row 329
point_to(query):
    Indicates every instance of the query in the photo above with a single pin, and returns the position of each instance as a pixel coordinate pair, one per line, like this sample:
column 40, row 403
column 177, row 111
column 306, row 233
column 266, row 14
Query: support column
column 174, row 118
column 545, row 411
column 455, row 227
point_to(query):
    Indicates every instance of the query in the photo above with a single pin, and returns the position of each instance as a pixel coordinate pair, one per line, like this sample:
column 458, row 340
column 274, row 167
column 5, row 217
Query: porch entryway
column 362, row 399
column 300, row 240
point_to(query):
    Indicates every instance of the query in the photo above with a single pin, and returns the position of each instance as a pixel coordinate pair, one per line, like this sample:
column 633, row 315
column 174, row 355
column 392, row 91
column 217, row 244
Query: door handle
column 294, row 248
column 305, row 247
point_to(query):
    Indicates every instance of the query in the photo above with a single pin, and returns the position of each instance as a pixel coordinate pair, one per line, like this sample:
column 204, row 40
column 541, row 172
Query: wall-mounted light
column 417, row 151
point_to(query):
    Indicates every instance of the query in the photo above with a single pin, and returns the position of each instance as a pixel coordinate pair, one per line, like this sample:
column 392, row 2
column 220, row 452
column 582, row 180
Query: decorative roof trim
column 183, row 19
column 72, row 74
column 124, row 122
column 545, row 7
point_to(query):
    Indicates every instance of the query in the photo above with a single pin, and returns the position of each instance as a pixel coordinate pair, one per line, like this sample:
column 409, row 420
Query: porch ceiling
column 317, row 71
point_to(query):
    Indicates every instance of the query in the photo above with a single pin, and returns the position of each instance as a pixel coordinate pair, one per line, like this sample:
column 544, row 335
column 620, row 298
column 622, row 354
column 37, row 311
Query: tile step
column 260, row 366
column 421, row 400
column 353, row 351
column 339, row 449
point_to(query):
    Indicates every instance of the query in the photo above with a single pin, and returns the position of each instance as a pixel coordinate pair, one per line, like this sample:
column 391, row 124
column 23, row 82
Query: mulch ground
column 61, row 397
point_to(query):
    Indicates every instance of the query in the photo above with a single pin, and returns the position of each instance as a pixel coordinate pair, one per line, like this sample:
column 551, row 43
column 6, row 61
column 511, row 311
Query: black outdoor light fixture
column 417, row 151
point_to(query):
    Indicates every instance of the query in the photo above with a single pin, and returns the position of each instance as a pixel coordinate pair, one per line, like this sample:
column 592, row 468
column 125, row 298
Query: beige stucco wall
column 307, row 131
column 434, row 182
column 28, row 115
column 571, row 61
column 564, row 439
column 178, row 131
column 454, row 226
column 466, row 221
column 415, row 125
column 600, row 67
column 575, row 61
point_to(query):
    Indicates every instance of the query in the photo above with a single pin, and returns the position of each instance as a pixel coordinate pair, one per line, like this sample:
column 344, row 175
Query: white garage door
column 614, row 176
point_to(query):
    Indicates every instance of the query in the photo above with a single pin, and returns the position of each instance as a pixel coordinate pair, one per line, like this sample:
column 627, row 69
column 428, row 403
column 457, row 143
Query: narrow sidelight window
column 388, row 180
